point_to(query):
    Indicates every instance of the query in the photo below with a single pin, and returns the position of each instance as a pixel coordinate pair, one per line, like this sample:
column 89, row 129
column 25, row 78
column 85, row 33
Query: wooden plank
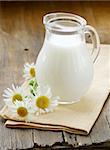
column 11, row 61
column 47, row 138
column 33, row 12
column 101, row 130
column 12, row 57
column 77, row 140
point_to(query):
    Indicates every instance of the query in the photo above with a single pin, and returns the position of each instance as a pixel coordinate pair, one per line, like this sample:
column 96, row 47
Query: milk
column 65, row 65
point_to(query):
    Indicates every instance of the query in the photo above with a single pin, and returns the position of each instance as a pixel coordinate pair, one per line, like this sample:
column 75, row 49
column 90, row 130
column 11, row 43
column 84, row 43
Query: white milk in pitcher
column 65, row 65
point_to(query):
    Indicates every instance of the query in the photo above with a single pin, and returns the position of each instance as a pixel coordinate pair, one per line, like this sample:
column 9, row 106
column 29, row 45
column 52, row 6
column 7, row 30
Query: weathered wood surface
column 21, row 29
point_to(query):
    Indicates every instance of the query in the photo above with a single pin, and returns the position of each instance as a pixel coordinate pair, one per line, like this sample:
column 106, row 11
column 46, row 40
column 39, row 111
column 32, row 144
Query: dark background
column 24, row 19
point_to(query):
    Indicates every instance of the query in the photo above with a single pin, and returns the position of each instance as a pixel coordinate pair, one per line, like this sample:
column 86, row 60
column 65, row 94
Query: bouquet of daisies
column 29, row 98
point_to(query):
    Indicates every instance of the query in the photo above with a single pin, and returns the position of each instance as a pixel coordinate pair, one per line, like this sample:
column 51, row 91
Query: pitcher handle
column 95, row 40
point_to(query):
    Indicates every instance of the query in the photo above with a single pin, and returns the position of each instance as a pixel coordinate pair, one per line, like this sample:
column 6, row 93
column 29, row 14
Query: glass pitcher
column 64, row 62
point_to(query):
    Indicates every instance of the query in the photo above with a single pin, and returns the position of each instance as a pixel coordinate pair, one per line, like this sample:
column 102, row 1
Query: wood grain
column 21, row 37
column 26, row 17
column 13, row 56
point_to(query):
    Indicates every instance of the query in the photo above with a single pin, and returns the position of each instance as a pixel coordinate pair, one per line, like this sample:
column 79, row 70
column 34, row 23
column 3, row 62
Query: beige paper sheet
column 79, row 117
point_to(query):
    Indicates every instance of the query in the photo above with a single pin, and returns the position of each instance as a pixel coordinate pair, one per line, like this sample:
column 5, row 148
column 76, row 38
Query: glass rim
column 51, row 17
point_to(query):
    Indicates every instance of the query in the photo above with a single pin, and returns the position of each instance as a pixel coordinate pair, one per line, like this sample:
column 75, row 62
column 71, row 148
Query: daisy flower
column 29, row 71
column 43, row 102
column 22, row 110
column 15, row 94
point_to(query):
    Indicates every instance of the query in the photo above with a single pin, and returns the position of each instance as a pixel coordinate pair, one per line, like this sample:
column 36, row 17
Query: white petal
column 7, row 92
column 8, row 103
column 55, row 99
column 7, row 99
column 13, row 86
column 47, row 110
column 10, row 90
column 27, row 65
column 7, row 96
column 41, row 111
column 32, row 64
column 32, row 110
column 44, row 90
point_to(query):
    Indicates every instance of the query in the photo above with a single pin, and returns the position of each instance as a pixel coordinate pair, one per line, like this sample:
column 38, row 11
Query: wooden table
column 21, row 37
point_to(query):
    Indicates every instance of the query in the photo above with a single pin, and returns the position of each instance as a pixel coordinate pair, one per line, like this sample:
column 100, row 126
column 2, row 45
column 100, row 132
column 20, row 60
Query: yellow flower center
column 32, row 72
column 18, row 97
column 22, row 112
column 42, row 102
